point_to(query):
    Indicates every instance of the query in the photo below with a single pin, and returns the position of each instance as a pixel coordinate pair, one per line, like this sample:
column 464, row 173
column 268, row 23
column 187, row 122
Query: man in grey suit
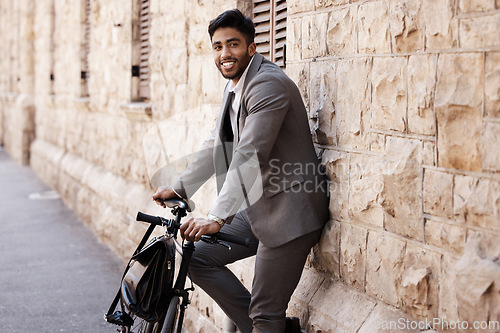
column 270, row 185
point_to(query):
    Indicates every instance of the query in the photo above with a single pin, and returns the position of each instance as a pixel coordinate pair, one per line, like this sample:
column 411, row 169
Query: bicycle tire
column 169, row 325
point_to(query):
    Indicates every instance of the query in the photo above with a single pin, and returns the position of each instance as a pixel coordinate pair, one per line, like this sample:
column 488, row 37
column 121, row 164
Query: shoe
column 292, row 325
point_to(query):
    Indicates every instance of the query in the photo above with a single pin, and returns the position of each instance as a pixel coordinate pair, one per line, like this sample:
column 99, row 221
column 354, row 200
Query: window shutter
column 269, row 17
column 86, row 48
column 144, row 71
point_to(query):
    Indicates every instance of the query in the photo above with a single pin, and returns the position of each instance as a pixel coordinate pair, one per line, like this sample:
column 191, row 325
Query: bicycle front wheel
column 141, row 326
column 170, row 323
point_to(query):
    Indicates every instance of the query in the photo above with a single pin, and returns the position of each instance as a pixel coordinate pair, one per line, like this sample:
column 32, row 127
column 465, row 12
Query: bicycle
column 174, row 317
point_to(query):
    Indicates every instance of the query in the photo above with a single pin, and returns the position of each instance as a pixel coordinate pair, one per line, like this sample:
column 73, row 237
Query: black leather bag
column 146, row 285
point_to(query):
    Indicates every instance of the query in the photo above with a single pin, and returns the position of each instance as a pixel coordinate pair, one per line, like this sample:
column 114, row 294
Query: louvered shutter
column 86, row 48
column 269, row 17
column 144, row 71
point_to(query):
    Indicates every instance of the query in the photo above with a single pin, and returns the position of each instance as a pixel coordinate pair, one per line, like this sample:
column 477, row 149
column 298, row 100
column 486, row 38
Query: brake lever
column 214, row 240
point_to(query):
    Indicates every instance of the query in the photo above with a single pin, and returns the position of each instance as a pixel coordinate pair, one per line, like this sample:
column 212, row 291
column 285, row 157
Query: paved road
column 54, row 274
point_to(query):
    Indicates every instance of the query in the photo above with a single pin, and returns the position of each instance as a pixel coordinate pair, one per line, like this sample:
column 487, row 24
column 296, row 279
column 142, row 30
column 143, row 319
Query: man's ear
column 252, row 48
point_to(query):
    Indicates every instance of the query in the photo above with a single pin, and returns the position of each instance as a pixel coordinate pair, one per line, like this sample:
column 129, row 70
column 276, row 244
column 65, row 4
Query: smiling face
column 231, row 53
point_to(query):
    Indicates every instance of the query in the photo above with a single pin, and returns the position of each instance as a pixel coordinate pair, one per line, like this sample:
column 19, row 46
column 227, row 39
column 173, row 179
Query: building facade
column 108, row 99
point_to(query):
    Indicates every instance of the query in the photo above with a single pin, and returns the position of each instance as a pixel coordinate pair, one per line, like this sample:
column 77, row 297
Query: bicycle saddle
column 172, row 203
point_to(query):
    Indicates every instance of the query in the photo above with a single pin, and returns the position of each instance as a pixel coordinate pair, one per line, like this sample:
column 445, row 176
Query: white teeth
column 228, row 64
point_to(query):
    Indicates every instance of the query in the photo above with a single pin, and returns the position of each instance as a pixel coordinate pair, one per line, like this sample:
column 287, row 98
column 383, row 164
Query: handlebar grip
column 233, row 239
column 148, row 218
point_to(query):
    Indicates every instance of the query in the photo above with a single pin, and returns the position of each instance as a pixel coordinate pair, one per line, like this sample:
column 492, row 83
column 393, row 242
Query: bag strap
column 139, row 247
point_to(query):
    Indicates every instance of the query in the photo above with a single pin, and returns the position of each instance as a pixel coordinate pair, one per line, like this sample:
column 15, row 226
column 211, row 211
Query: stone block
column 445, row 236
column 300, row 6
column 314, row 29
column 401, row 197
column 308, row 285
column 300, row 73
column 421, row 88
column 437, row 193
column 326, row 255
column 448, row 290
column 341, row 35
column 492, row 85
column 480, row 32
column 429, row 154
column 490, row 143
column 440, row 24
column 323, row 94
column 333, row 306
column 406, row 26
column 294, row 40
column 384, row 267
column 478, row 284
column 373, row 27
column 388, row 79
column 337, row 169
column 353, row 255
column 385, row 319
column 365, row 188
column 353, row 102
column 458, row 110
column 328, row 3
column 476, row 201
column 420, row 282
column 470, row 6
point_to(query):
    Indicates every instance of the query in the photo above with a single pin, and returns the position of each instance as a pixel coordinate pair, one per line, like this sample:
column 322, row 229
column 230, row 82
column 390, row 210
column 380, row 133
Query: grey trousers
column 277, row 273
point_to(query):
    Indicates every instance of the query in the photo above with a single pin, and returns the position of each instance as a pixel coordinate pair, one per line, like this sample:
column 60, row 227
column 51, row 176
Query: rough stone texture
column 406, row 26
column 337, row 166
column 384, row 267
column 420, row 282
column 341, row 35
column 468, row 6
column 323, row 94
column 490, row 141
column 353, row 255
column 373, row 27
column 421, row 87
column 385, row 319
column 326, row 255
column 492, row 84
column 458, row 110
column 388, row 78
column 480, row 32
column 477, row 201
column 314, row 29
column 401, row 197
column 446, row 236
column 333, row 306
column 481, row 300
column 403, row 101
column 353, row 102
column 365, row 187
column 437, row 193
column 440, row 24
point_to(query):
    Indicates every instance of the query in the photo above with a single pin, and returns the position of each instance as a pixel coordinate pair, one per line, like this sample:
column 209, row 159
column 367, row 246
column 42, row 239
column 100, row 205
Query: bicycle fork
column 179, row 286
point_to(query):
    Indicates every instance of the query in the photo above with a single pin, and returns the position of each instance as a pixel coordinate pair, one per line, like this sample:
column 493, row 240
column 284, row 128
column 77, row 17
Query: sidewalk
column 54, row 274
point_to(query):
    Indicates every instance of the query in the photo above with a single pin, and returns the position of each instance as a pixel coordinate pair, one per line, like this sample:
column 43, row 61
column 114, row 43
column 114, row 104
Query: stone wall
column 404, row 105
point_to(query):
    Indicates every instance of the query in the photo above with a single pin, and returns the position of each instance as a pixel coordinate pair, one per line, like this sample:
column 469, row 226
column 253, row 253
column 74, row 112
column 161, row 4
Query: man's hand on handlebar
column 163, row 193
column 194, row 228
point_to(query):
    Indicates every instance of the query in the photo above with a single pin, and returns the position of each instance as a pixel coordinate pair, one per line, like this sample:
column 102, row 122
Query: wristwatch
column 214, row 218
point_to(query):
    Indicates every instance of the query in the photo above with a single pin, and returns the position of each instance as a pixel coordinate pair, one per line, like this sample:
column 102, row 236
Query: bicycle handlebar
column 159, row 221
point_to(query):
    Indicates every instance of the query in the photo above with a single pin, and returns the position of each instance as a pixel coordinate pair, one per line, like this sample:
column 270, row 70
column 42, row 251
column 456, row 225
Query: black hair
column 233, row 19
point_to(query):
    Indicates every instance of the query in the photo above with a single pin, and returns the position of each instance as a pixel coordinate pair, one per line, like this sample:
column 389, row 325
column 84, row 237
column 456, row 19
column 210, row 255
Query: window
column 269, row 17
column 144, row 72
column 141, row 74
column 85, row 47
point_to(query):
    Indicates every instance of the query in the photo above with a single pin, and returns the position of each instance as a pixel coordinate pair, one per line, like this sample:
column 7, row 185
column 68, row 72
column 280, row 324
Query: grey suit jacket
column 271, row 171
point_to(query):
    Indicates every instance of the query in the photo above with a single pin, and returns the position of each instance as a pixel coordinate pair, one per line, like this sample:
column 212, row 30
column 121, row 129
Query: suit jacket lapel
column 242, row 112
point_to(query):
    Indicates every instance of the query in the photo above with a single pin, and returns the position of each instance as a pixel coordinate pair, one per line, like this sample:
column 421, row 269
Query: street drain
column 44, row 195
